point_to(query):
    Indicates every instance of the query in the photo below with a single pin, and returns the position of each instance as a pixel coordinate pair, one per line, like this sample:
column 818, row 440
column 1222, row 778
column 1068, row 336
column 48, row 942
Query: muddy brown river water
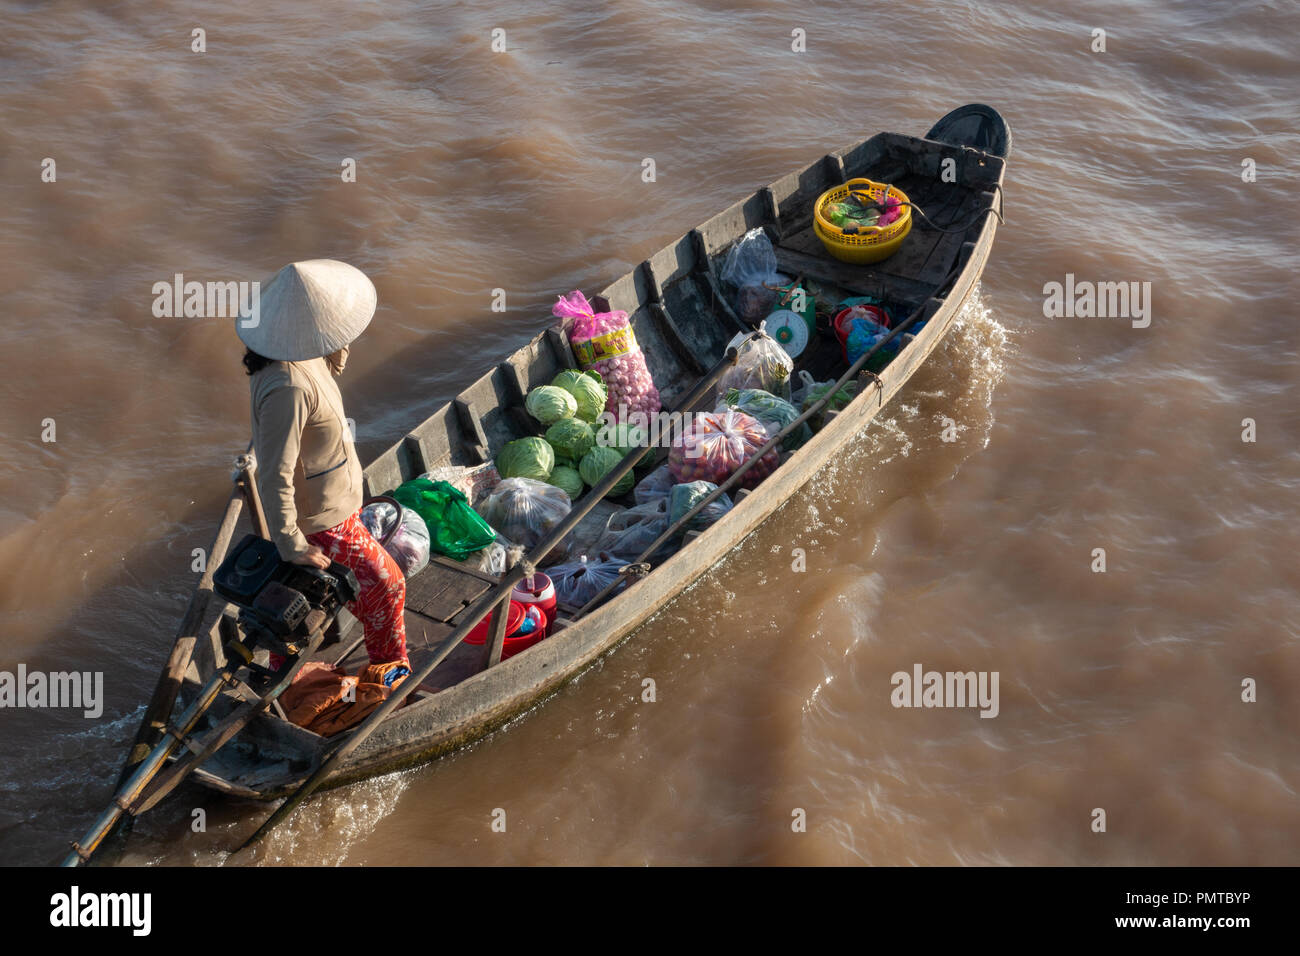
column 1169, row 158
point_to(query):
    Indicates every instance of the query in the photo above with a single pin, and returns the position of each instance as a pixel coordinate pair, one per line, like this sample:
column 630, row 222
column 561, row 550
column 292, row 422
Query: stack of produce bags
column 774, row 413
column 605, row 343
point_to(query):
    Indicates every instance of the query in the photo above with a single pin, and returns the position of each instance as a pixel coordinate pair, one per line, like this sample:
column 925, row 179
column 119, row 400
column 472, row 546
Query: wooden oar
column 481, row 609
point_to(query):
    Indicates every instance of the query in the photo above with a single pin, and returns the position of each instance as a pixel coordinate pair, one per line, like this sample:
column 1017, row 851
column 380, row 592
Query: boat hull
column 458, row 715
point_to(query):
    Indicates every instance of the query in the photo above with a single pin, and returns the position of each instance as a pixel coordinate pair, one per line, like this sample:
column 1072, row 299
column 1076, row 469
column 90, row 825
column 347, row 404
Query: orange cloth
column 327, row 700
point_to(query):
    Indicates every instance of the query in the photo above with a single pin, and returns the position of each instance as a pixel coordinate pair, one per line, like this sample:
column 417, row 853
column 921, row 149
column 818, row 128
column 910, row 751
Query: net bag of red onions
column 605, row 342
column 715, row 444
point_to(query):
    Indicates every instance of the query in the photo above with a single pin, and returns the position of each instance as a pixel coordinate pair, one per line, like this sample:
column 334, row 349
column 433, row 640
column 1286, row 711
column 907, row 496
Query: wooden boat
column 684, row 322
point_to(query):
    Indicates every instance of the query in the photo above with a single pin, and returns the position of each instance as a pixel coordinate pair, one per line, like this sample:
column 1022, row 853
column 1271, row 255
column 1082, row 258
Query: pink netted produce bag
column 605, row 342
column 716, row 444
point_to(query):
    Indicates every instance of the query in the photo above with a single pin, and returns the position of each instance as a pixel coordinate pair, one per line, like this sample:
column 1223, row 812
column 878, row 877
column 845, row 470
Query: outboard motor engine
column 275, row 596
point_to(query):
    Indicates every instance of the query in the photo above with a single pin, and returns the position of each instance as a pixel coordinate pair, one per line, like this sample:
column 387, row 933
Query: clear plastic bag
column 685, row 496
column 750, row 266
column 401, row 531
column 628, row 533
column 379, row 516
column 715, row 445
column 578, row 582
column 526, row 511
column 774, row 413
column 811, row 391
column 606, row 343
column 654, row 486
column 762, row 363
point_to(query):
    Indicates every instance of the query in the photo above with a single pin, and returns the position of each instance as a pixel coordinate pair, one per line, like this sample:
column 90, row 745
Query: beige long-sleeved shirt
column 307, row 468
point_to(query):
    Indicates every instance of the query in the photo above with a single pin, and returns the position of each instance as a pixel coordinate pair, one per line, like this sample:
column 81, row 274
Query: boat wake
column 948, row 403
column 325, row 829
column 81, row 758
column 942, row 417
column 858, row 602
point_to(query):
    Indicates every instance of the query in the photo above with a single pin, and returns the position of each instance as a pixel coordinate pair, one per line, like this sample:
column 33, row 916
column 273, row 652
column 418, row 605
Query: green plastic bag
column 455, row 529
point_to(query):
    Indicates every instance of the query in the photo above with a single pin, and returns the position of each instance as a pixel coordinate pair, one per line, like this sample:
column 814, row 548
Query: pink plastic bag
column 605, row 342
column 716, row 444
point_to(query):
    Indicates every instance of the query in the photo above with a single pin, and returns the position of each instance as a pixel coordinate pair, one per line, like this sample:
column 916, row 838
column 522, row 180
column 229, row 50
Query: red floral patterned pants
column 382, row 599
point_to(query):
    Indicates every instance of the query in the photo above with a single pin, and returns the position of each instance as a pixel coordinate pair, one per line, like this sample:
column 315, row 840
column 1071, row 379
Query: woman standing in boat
column 297, row 337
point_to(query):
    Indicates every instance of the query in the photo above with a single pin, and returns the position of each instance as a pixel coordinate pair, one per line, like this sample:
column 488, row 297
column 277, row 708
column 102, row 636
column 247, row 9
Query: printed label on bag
column 610, row 345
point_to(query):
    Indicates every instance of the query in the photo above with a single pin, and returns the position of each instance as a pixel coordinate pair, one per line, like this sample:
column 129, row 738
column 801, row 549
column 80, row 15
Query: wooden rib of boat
column 683, row 322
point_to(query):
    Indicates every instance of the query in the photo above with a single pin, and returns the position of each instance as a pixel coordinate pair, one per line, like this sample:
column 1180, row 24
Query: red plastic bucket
column 514, row 642
column 843, row 326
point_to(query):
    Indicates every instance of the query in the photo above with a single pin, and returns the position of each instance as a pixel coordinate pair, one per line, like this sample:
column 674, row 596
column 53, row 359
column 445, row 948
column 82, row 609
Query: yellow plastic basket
column 867, row 243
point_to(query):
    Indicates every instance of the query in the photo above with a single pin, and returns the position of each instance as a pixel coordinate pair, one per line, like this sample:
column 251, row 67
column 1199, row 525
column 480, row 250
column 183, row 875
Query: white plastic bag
column 401, row 532
column 492, row 559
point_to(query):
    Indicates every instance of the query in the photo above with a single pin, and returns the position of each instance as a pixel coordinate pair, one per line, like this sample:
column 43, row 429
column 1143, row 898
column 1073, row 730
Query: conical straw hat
column 308, row 309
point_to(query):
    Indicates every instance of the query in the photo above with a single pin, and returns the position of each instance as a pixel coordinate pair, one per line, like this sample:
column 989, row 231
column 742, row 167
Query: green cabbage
column 597, row 463
column 567, row 480
column 587, row 388
column 526, row 458
column 549, row 404
column 622, row 438
column 571, row 438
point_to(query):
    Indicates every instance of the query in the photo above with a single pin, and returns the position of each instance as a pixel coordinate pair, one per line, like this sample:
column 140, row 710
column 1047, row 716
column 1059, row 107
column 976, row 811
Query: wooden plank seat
column 440, row 592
